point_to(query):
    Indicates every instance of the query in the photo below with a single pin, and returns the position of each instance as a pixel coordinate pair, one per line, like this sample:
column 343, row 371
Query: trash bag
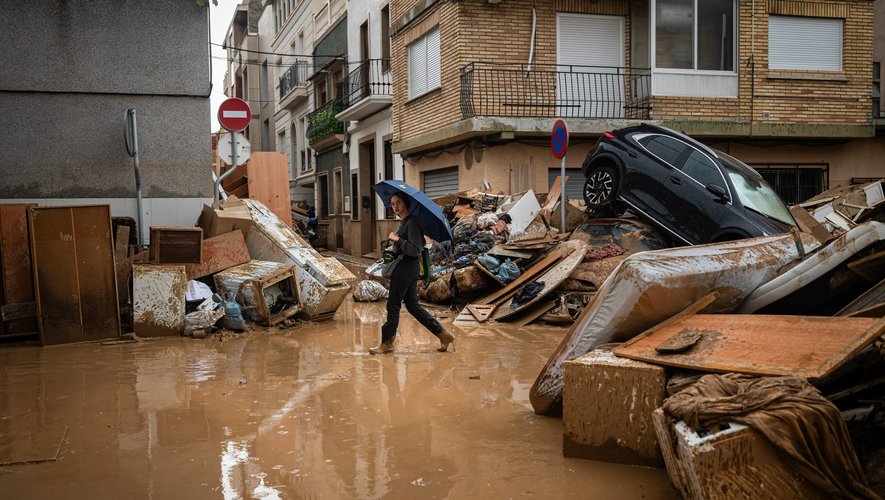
column 507, row 271
column 489, row 262
column 233, row 313
column 526, row 293
column 369, row 291
column 207, row 314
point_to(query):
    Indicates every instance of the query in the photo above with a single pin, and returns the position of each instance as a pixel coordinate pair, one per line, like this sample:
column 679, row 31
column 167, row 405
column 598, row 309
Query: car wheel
column 601, row 186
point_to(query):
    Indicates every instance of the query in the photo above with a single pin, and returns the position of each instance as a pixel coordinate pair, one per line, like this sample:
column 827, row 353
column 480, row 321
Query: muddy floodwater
column 297, row 413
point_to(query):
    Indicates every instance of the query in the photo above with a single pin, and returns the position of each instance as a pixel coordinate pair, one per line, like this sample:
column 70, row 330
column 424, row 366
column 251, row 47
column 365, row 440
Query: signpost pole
column 234, row 115
column 219, row 192
column 562, row 197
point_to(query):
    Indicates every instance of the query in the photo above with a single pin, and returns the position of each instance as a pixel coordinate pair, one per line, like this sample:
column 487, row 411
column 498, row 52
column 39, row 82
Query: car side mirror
column 718, row 190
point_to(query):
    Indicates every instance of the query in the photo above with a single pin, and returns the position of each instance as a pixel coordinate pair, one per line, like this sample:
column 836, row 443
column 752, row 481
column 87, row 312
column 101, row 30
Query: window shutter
column 417, row 68
column 440, row 182
column 804, row 43
column 433, row 59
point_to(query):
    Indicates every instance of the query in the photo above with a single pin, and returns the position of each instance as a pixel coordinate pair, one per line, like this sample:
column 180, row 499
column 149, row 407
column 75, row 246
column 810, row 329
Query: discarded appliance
column 205, row 316
column 158, row 299
column 323, row 282
column 74, row 275
column 522, row 209
column 814, row 266
column 607, row 407
column 649, row 287
column 267, row 290
column 176, row 245
column 843, row 207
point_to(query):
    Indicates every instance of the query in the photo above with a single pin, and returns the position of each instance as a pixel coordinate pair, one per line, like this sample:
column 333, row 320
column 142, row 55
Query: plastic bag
column 233, row 314
column 507, row 271
column 207, row 314
column 369, row 291
column 489, row 262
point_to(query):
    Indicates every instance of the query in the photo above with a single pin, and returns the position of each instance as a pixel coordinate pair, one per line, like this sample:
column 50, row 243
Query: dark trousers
column 403, row 288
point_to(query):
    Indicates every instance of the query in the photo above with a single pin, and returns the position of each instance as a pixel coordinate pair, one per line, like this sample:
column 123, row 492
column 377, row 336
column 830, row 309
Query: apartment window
column 877, row 67
column 293, row 148
column 264, row 85
column 695, row 34
column 281, row 141
column 265, row 135
column 424, row 64
column 795, row 183
column 804, row 43
column 245, row 84
column 385, row 39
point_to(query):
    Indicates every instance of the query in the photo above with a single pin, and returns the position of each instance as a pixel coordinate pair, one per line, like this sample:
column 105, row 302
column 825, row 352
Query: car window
column 700, row 168
column 665, row 148
column 757, row 195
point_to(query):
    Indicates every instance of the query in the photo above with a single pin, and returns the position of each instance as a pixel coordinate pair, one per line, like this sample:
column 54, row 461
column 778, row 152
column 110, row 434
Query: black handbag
column 389, row 268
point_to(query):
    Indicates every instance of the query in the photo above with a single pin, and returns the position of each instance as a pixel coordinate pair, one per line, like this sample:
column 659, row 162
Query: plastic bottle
column 233, row 314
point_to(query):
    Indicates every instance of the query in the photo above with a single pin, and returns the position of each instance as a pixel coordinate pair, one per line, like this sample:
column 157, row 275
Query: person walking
column 407, row 242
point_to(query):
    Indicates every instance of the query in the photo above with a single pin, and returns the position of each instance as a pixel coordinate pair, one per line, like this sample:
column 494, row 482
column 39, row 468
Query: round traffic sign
column 234, row 114
column 225, row 149
column 559, row 139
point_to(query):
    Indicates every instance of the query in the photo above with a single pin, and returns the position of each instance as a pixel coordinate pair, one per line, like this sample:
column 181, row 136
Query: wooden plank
column 17, row 282
column 219, row 253
column 554, row 194
column 268, row 173
column 871, row 297
column 488, row 273
column 552, row 278
column 550, row 260
column 874, row 311
column 176, row 245
column 481, row 312
column 802, row 346
column 534, row 313
column 75, row 282
column 121, row 263
column 503, row 252
column 809, row 224
column 871, row 267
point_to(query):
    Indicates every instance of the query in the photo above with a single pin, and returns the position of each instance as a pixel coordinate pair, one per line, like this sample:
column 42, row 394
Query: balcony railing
column 548, row 91
column 295, row 76
column 322, row 123
column 370, row 78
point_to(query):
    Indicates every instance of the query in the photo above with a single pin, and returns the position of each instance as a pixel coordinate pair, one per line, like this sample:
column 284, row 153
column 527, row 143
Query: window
column 424, row 64
column 388, row 173
column 440, row 182
column 695, row 34
column 804, row 43
column 385, row 39
column 701, row 168
column 795, row 183
column 323, row 181
column 877, row 111
column 665, row 148
column 264, row 85
column 265, row 135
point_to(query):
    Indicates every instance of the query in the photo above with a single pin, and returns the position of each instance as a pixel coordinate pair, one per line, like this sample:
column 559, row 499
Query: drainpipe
column 532, row 42
column 131, row 136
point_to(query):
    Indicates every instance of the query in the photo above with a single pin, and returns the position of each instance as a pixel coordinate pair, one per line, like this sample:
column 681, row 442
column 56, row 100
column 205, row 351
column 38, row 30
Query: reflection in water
column 300, row 413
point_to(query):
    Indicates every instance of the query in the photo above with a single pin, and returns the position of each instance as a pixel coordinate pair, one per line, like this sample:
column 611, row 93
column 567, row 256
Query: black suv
column 695, row 193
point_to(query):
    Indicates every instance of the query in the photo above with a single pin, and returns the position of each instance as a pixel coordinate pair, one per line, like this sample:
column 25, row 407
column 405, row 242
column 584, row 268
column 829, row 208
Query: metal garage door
column 574, row 185
column 440, row 182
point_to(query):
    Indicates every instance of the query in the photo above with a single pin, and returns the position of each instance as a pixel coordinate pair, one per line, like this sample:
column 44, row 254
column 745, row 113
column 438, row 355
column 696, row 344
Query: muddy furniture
column 607, row 408
column 731, row 461
column 268, row 290
column 158, row 300
column 176, row 245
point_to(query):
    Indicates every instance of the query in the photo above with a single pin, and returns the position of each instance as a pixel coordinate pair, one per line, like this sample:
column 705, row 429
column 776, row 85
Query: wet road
column 298, row 413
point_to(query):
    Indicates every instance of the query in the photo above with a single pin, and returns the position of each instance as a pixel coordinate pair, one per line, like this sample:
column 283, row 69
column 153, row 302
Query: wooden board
column 72, row 252
column 802, row 346
column 176, row 245
column 219, row 253
column 268, row 173
column 551, row 259
column 552, row 278
column 17, row 283
column 809, row 224
column 488, row 273
column 871, row 267
column 875, row 295
column 534, row 313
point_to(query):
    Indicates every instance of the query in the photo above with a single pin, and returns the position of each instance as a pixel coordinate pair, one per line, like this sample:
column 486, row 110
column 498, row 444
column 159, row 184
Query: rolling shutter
column 804, row 43
column 440, row 182
column 574, row 187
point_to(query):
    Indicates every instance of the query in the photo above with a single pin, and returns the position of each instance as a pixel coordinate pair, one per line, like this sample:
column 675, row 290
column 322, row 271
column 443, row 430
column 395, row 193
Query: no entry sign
column 559, row 139
column 234, row 114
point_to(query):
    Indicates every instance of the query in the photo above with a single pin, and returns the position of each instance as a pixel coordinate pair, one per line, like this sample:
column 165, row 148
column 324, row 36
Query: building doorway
column 367, row 199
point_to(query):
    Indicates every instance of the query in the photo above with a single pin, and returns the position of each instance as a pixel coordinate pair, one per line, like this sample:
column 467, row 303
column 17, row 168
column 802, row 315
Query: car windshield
column 757, row 195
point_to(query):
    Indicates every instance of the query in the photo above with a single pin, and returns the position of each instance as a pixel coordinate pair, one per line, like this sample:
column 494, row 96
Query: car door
column 700, row 212
column 648, row 179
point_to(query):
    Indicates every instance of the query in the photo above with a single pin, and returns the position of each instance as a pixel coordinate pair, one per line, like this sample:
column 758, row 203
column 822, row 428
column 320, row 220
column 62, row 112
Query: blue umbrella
column 428, row 213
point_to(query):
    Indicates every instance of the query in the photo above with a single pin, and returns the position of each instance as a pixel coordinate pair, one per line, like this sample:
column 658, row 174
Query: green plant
column 323, row 124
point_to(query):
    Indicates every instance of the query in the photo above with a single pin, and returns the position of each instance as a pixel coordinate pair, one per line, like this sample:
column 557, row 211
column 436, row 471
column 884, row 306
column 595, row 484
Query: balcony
column 366, row 90
column 323, row 129
column 294, row 84
column 555, row 91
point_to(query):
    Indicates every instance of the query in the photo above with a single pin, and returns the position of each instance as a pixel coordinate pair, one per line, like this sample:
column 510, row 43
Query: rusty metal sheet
column 802, row 346
column 219, row 253
column 158, row 299
column 552, row 278
column 74, row 275
column 17, row 284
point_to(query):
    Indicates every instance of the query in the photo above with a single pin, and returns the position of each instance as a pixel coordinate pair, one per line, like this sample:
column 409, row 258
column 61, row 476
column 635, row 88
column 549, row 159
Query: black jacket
column 409, row 246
